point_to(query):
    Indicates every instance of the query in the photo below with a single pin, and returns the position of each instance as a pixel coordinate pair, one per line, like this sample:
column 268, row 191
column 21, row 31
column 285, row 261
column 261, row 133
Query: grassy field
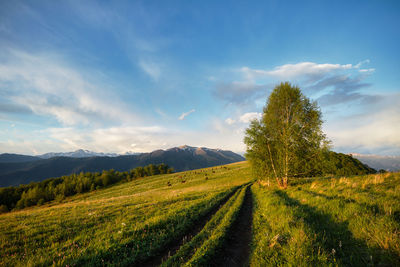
column 321, row 222
column 125, row 224
column 198, row 218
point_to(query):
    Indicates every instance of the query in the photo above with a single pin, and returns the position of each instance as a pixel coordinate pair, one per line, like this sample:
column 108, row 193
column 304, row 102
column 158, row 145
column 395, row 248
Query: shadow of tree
column 336, row 239
column 373, row 209
column 370, row 191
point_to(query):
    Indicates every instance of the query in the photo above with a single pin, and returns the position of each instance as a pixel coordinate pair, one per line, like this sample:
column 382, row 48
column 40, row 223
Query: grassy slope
column 339, row 221
column 318, row 222
column 123, row 224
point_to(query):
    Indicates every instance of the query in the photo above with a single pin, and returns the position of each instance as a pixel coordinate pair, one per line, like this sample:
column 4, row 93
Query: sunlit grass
column 342, row 221
column 93, row 227
column 338, row 221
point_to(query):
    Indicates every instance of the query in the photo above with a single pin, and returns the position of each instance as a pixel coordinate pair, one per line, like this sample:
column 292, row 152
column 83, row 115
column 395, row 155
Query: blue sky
column 142, row 75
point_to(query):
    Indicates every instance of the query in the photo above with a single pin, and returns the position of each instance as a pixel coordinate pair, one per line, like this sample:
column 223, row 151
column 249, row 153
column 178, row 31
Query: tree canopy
column 288, row 138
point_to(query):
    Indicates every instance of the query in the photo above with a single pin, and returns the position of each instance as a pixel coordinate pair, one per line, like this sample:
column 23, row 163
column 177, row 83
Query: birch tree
column 287, row 140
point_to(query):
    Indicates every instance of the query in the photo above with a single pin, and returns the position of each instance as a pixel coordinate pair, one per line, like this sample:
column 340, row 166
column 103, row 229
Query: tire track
column 172, row 248
column 236, row 252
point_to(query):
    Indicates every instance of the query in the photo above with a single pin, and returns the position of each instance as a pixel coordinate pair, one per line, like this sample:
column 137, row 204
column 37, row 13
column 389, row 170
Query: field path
column 174, row 247
column 237, row 249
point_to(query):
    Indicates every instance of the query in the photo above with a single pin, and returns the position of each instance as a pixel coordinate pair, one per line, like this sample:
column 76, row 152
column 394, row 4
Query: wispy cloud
column 120, row 139
column 151, row 68
column 117, row 139
column 342, row 90
column 359, row 64
column 309, row 70
column 185, row 114
column 240, row 92
column 113, row 139
column 338, row 82
column 137, row 36
column 14, row 108
column 46, row 86
column 375, row 130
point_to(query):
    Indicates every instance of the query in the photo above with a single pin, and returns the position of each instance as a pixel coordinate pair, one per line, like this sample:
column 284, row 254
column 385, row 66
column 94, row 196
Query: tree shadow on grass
column 370, row 190
column 373, row 209
column 336, row 239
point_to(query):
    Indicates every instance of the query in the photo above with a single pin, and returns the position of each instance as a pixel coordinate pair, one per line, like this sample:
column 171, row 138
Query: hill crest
column 180, row 158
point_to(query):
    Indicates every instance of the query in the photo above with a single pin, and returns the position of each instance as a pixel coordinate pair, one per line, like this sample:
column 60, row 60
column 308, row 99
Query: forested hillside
column 38, row 193
column 179, row 158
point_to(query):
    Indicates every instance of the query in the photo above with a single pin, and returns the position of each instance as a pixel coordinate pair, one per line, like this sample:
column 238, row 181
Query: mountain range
column 22, row 169
column 80, row 153
column 388, row 163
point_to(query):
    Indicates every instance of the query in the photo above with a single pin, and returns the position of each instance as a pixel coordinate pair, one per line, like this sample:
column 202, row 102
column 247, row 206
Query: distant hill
column 180, row 158
column 8, row 158
column 388, row 163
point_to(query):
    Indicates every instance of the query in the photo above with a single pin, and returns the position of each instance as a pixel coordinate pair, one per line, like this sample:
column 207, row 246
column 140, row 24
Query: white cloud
column 47, row 86
column 244, row 118
column 367, row 70
column 375, row 130
column 291, row 71
column 185, row 114
column 117, row 139
column 113, row 139
column 230, row 121
column 247, row 117
column 330, row 82
column 340, row 89
column 124, row 139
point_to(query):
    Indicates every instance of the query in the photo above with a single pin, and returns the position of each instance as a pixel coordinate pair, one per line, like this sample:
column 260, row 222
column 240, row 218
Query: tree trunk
column 285, row 182
column 272, row 162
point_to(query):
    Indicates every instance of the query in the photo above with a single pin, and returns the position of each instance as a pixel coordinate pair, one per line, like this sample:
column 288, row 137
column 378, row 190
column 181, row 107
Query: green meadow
column 213, row 216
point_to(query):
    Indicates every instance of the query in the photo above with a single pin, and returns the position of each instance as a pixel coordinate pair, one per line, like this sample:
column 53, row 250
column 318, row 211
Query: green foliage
column 288, row 141
column 59, row 188
column 338, row 164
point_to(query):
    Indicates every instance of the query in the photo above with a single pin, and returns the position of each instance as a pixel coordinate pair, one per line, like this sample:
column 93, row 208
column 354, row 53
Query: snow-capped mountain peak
column 80, row 153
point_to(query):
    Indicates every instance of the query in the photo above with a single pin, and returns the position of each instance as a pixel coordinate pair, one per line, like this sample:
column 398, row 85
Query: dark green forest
column 37, row 193
column 330, row 163
column 340, row 164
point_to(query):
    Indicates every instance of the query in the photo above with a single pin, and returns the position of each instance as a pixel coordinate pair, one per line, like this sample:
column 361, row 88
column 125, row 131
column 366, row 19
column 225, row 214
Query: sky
column 136, row 76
